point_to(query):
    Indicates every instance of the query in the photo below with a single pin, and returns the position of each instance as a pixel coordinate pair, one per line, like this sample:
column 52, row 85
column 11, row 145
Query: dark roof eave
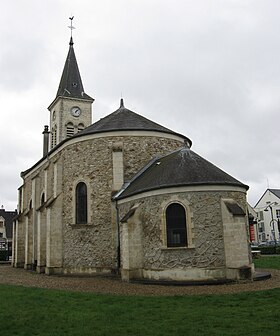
column 181, row 185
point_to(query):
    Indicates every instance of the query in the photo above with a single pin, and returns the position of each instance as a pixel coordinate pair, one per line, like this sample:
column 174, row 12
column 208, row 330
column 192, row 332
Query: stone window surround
column 176, row 223
column 53, row 136
column 81, row 203
column 189, row 224
column 81, row 126
column 89, row 210
column 70, row 129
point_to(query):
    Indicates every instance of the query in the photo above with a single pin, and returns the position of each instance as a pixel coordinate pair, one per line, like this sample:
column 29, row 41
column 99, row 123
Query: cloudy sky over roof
column 207, row 69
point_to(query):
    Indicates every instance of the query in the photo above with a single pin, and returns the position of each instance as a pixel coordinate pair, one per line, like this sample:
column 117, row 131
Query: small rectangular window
column 261, row 227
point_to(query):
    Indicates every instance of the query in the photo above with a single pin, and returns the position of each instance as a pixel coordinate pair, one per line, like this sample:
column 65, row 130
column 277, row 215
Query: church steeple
column 71, row 85
column 71, row 110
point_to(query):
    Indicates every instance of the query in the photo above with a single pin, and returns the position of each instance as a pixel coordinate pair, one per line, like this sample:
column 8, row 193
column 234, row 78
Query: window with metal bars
column 176, row 230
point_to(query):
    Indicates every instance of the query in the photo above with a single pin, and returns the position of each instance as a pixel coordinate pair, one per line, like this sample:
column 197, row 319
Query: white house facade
column 268, row 214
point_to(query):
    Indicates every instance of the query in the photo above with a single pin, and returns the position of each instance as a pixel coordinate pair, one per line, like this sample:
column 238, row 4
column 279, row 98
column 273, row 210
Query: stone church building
column 126, row 195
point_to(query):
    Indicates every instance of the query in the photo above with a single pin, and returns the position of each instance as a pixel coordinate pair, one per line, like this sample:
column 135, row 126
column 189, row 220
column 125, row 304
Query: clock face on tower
column 75, row 111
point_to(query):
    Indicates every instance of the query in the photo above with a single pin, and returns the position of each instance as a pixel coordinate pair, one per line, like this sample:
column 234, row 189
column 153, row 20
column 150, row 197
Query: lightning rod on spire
column 71, row 25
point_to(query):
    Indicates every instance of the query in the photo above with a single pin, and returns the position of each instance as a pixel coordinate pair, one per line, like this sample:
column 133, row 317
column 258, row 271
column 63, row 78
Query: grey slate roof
column 235, row 209
column 179, row 168
column 120, row 120
column 276, row 192
column 71, row 83
column 124, row 119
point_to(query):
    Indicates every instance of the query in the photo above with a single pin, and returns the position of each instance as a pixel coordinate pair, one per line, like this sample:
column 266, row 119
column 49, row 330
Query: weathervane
column 71, row 26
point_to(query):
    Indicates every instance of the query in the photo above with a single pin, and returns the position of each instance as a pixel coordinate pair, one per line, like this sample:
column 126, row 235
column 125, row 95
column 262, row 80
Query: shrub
column 267, row 249
column 3, row 255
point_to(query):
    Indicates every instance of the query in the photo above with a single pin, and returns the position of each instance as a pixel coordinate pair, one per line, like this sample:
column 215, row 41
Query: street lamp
column 272, row 221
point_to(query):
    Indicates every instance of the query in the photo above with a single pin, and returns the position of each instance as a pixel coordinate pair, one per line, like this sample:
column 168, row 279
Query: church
column 127, row 196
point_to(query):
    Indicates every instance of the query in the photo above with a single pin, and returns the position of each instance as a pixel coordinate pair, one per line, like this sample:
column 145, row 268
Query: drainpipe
column 119, row 238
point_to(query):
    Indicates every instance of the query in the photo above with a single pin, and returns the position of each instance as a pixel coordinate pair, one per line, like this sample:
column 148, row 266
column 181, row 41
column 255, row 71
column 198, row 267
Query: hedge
column 267, row 249
column 3, row 255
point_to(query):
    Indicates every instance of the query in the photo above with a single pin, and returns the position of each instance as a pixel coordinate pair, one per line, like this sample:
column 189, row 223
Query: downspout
column 118, row 238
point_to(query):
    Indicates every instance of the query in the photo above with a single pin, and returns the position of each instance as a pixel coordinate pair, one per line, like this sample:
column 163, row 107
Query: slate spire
column 71, row 83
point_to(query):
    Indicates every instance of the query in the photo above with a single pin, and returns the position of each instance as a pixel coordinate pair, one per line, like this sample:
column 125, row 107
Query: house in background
column 268, row 211
column 6, row 233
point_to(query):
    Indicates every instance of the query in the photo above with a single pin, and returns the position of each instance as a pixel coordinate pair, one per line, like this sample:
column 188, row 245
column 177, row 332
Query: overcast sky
column 209, row 69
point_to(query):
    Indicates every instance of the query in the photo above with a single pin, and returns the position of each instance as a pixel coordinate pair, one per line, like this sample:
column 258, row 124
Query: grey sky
column 208, row 69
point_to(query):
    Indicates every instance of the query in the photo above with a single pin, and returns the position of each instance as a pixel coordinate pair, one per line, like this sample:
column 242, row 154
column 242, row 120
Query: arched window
column 54, row 136
column 80, row 127
column 176, row 231
column 81, row 203
column 69, row 130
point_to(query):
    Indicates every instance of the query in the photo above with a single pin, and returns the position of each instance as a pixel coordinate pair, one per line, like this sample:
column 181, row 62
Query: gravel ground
column 113, row 285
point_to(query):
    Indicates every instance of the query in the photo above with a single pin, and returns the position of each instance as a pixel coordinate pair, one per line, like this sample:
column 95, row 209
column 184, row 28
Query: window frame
column 70, row 129
column 81, row 127
column 176, row 225
column 188, row 222
column 85, row 213
column 54, row 136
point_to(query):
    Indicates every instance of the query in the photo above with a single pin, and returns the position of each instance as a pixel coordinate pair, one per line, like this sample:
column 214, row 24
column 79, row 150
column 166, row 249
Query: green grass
column 267, row 262
column 29, row 311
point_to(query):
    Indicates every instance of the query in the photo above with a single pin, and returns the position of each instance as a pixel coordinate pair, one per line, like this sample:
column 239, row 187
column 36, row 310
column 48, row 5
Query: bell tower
column 71, row 110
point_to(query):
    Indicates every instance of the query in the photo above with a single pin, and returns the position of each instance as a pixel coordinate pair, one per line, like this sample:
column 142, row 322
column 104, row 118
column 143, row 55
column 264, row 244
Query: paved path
column 110, row 285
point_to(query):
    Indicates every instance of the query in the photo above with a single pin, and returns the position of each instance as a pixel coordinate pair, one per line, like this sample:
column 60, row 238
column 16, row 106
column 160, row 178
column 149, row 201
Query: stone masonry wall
column 93, row 245
column 25, row 222
column 138, row 151
column 208, row 241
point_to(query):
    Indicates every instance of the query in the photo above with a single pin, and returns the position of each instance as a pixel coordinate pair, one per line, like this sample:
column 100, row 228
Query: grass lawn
column 267, row 262
column 31, row 311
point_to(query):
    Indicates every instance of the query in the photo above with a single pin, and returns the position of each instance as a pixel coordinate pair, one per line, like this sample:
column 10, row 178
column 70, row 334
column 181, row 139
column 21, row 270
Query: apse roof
column 125, row 119
column 182, row 167
column 120, row 120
